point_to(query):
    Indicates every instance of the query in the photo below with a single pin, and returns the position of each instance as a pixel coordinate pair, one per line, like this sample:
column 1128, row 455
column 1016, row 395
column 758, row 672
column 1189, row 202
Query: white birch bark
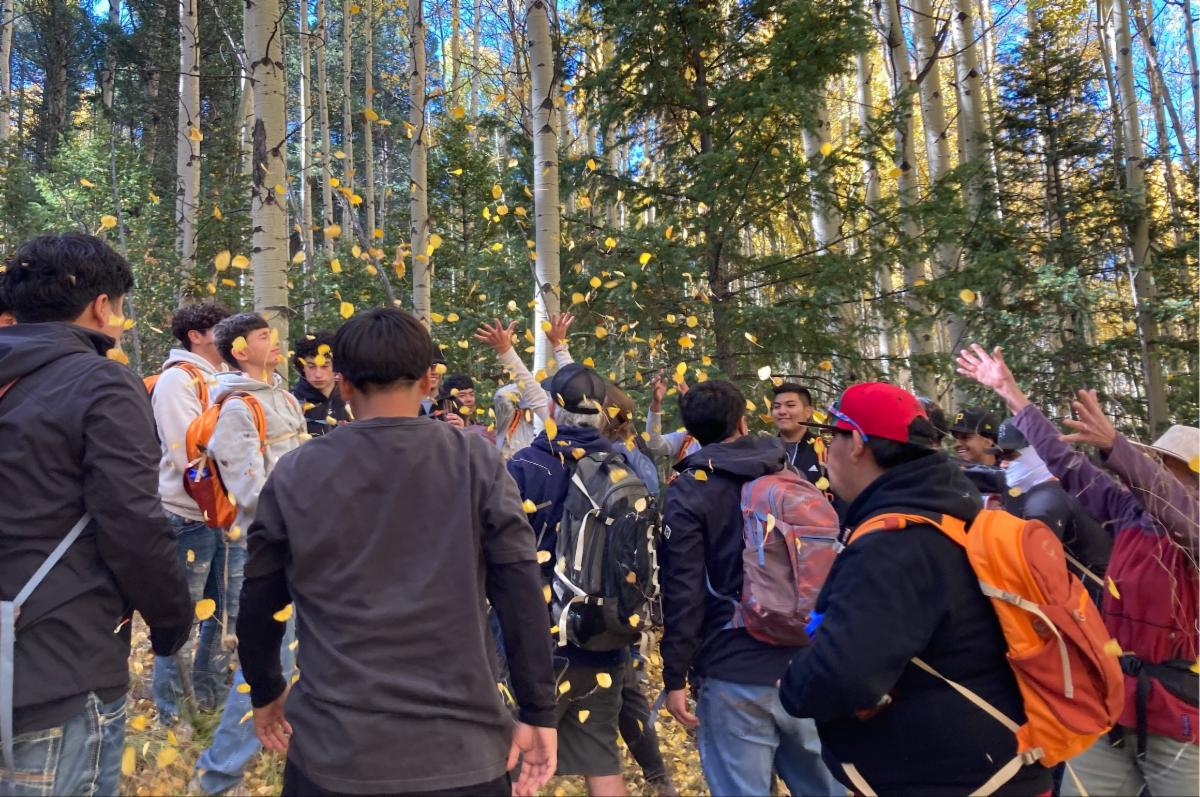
column 542, row 25
column 188, row 136
column 422, row 262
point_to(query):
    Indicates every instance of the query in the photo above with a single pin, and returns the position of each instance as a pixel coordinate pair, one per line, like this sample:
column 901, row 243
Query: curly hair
column 196, row 318
column 309, row 345
column 54, row 277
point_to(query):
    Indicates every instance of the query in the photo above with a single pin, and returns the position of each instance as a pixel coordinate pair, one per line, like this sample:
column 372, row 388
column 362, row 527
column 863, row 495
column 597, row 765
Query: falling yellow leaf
column 610, row 242
column 564, row 687
column 370, row 115
column 139, row 723
column 435, row 241
column 601, row 332
column 346, row 310
column 591, row 164
column 584, row 714
column 616, row 475
column 543, row 557
column 967, row 295
column 501, row 210
column 497, row 191
column 86, row 183
column 825, row 365
column 752, row 338
column 685, row 342
column 222, row 260
column 764, row 373
column 437, row 318
column 700, row 475
column 128, row 761
column 458, row 112
column 826, row 149
column 284, row 614
column 895, row 172
column 751, row 406
column 339, row 154
column 239, row 343
column 1194, row 464
column 299, row 257
column 1112, row 587
column 166, row 757
column 243, row 688
column 1195, row 667
column 639, row 505
column 692, row 322
column 551, row 429
column 589, row 362
column 634, row 620
column 644, row 258
column 246, row 717
column 333, row 231
column 595, row 282
column 205, row 607
column 821, row 483
column 529, row 506
column 154, row 198
column 335, row 266
column 603, row 680
column 578, row 453
column 1113, row 648
column 191, row 556
column 1014, row 491
column 452, row 317
column 107, row 222
column 667, row 233
column 194, row 133
column 546, row 592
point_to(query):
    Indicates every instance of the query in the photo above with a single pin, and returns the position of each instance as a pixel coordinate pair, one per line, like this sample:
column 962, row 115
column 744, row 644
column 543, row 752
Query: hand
column 454, row 419
column 658, row 391
column 496, row 335
column 990, row 370
column 1093, row 426
column 681, row 386
column 559, row 326
column 271, row 727
column 677, row 705
column 537, row 749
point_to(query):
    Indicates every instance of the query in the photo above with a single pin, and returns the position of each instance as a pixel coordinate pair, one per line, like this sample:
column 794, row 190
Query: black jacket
column 893, row 596
column 1082, row 536
column 318, row 408
column 802, row 455
column 702, row 536
column 77, row 435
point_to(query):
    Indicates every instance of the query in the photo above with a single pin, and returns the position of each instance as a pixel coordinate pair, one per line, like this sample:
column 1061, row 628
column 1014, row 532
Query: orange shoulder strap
column 197, row 380
column 256, row 413
column 684, row 445
column 952, row 527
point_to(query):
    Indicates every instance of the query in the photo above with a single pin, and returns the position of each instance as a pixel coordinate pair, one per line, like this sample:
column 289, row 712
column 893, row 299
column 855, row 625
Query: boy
column 316, row 389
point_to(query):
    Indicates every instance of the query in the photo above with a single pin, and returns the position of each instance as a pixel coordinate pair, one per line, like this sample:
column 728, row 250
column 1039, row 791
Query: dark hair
column 4, row 308
column 711, row 410
column 310, row 346
column 232, row 328
column 457, row 382
column 196, row 318
column 381, row 347
column 890, row 454
column 792, row 387
column 54, row 277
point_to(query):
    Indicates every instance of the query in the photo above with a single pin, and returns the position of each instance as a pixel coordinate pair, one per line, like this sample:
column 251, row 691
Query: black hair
column 457, row 382
column 310, row 346
column 381, row 347
column 232, row 328
column 890, row 454
column 792, row 387
column 54, row 277
column 711, row 410
column 196, row 318
column 4, row 308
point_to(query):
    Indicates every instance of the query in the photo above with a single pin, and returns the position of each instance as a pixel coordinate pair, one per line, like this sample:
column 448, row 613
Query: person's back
column 893, row 597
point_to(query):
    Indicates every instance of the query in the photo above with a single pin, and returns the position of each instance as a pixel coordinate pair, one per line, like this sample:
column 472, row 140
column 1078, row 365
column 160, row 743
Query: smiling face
column 790, row 411
column 973, row 448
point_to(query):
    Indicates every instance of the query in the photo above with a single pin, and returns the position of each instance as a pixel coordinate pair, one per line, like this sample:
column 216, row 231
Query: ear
column 743, row 428
column 195, row 337
column 102, row 310
column 425, row 383
column 348, row 391
column 858, row 449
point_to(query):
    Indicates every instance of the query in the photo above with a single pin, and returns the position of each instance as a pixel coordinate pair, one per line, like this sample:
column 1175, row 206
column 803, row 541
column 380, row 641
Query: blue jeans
column 745, row 734
column 234, row 744
column 206, row 576
column 81, row 756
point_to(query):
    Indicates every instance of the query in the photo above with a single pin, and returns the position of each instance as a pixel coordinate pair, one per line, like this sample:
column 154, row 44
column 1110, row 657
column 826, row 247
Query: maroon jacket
column 1155, row 615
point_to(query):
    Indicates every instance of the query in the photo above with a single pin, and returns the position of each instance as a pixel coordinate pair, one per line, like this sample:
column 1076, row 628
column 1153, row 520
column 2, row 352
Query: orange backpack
column 198, row 381
column 202, row 479
column 1058, row 647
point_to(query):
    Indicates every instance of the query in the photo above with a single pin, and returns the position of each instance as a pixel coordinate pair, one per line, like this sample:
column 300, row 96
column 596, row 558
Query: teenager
column 315, row 389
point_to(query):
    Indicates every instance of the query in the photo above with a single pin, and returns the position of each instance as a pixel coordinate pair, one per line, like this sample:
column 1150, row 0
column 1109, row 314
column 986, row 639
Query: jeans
column 1170, row 767
column 81, row 756
column 211, row 561
column 745, row 733
column 234, row 744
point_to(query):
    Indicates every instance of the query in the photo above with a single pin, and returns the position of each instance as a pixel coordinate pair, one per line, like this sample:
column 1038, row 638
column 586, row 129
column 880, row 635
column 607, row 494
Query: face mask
column 1026, row 471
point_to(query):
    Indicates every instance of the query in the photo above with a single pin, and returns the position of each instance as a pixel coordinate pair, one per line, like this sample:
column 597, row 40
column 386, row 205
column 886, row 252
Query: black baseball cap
column 973, row 420
column 1009, row 439
column 577, row 388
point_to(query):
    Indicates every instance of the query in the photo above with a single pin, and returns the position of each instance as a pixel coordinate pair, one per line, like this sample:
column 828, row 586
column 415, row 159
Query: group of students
column 403, row 601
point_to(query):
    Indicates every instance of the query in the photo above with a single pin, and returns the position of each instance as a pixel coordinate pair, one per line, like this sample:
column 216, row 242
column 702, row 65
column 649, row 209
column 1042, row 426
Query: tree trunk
column 542, row 26
column 826, row 218
column 323, row 103
column 6, row 33
column 187, row 137
column 368, row 124
column 973, row 140
column 268, row 211
column 476, row 34
column 107, row 74
column 990, row 114
column 1160, row 96
column 306, row 159
column 422, row 262
column 455, row 70
column 347, row 110
column 921, row 345
column 1193, row 73
column 1158, row 100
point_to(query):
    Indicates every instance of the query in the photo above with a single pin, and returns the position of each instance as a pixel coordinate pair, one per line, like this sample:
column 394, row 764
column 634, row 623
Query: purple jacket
column 1150, row 607
column 1167, row 501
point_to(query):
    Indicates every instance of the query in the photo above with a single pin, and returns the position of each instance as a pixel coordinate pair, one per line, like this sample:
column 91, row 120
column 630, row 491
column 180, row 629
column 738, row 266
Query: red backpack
column 791, row 539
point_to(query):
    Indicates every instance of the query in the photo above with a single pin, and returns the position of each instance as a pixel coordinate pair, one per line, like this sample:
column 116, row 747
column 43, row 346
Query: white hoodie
column 244, row 467
column 176, row 405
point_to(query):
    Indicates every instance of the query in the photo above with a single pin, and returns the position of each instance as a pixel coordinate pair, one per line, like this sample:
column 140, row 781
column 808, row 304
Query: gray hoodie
column 244, row 466
column 176, row 405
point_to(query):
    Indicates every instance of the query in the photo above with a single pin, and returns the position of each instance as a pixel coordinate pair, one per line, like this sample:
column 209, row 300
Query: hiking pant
column 82, row 756
column 1169, row 767
column 745, row 734
column 234, row 744
column 634, row 723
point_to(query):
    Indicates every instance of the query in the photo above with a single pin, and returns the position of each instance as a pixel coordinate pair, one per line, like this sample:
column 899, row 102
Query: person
column 791, row 410
column 456, row 404
column 1150, row 605
column 619, row 430
column 895, row 597
column 522, row 406
column 411, row 707
column 543, row 471
column 974, row 432
column 315, row 389
column 1034, row 493
column 7, row 318
column 743, row 732
column 429, row 402
column 251, row 349
column 180, row 394
column 462, row 388
column 672, row 446
column 78, row 456
column 937, row 416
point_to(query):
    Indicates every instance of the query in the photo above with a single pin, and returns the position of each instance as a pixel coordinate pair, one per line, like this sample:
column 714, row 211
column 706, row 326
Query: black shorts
column 587, row 716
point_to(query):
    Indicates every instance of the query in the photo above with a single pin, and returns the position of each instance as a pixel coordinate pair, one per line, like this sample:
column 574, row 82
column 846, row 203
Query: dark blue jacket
column 893, row 596
column 702, row 538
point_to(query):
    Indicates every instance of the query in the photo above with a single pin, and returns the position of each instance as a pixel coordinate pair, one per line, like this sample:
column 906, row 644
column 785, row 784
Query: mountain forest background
column 828, row 191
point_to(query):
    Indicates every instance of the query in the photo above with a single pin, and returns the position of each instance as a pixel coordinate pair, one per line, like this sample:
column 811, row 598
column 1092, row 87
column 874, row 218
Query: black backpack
column 606, row 562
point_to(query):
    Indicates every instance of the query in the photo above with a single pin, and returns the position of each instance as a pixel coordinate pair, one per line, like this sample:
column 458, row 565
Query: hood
column 185, row 356
column 585, row 437
column 229, row 381
column 931, row 485
column 307, row 393
column 24, row 348
column 744, row 459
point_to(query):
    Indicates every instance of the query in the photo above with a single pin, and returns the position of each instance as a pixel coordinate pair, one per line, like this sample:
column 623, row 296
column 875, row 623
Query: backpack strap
column 9, row 612
column 952, row 527
column 198, row 381
column 256, row 414
column 684, row 445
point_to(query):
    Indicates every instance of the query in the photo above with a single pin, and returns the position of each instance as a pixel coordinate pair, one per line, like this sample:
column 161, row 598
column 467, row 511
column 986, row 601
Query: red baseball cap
column 888, row 412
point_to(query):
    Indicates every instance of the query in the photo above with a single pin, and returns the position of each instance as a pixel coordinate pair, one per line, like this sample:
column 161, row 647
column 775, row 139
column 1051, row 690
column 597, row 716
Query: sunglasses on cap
column 843, row 417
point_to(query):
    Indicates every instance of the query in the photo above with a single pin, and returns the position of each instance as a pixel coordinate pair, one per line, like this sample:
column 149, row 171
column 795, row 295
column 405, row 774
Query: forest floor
column 164, row 764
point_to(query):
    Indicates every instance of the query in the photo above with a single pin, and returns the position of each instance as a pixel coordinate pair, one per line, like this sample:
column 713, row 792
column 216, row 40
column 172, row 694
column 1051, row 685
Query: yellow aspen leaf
column 634, row 620
column 128, row 761
column 685, row 342
column 356, row 200
column 584, row 203
column 671, row 318
column 194, row 133
column 107, row 222
column 592, row 165
column 463, row 344
column 217, row 214
column 616, row 475
column 335, row 266
column 496, row 247
column 458, row 112
column 770, row 523
column 440, row 369
column 692, row 321
column 239, row 343
column 299, row 257
column 603, row 680
column 764, row 373
column 595, row 282
column 680, row 371
column 166, row 757
column 564, row 687
column 154, row 198
column 967, row 295
column 333, row 231
column 284, row 614
column 191, row 556
column 583, row 715
column 589, row 362
column 520, row 211
column 578, row 298
column 610, row 242
column 895, row 172
column 821, row 483
column 228, row 283
column 452, row 317
column 235, row 532
column 551, row 429
column 752, row 338
column 613, row 412
column 601, row 332
column 826, row 149
column 437, row 318
column 546, row 592
column 456, row 172
column 222, row 260
column 700, row 475
column 370, row 115
column 240, row 261
column 205, row 607
column 578, row 453
column 86, row 183
column 529, row 506
column 279, row 189
column 1015, row 492
column 825, row 365
column 644, row 258
column 639, row 505
column 497, row 191
column 246, row 717
column 1113, row 648
column 543, row 557
column 1195, row 667
column 667, row 233
column 631, row 577
column 705, row 359
column 751, row 406
column 139, row 723
column 435, row 241
column 334, row 182
column 346, row 310
column 1112, row 587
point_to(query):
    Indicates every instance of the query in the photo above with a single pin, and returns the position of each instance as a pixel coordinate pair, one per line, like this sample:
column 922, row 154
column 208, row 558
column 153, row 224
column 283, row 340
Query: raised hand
column 1093, row 427
column 496, row 335
column 990, row 370
column 559, row 326
column 658, row 391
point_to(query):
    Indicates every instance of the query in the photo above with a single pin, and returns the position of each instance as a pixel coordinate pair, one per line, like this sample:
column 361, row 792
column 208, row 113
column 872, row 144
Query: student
column 412, row 706
column 251, row 349
column 462, row 388
column 315, row 389
column 974, row 432
column 180, row 394
column 892, row 597
column 673, row 446
column 620, row 432
column 456, row 404
column 78, row 453
column 744, row 734
column 1150, row 607
column 543, row 473
column 791, row 410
